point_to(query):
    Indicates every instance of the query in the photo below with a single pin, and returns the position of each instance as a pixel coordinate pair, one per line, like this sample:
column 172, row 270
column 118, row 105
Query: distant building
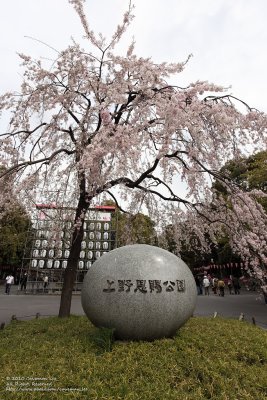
column 50, row 241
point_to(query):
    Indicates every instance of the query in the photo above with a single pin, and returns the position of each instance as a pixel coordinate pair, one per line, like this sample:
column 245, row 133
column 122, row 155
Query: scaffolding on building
column 48, row 243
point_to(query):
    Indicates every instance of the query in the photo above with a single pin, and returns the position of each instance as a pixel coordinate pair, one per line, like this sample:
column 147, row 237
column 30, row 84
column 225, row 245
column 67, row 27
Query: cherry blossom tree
column 242, row 182
column 106, row 123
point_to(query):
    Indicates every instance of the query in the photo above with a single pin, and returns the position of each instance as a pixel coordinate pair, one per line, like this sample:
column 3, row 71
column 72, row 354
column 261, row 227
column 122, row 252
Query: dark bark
column 70, row 272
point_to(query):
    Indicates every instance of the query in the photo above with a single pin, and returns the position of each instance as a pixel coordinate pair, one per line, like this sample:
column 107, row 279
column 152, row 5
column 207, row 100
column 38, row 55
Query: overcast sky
column 228, row 38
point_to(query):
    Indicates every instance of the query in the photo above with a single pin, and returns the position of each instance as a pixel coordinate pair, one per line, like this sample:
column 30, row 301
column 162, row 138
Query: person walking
column 206, row 285
column 215, row 285
column 46, row 281
column 221, row 286
column 230, row 285
column 9, row 282
column 236, row 285
column 198, row 285
column 23, row 281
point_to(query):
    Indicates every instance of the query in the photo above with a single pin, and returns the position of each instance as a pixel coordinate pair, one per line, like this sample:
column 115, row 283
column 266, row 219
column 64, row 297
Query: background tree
column 14, row 226
column 138, row 228
column 132, row 228
column 189, row 254
column 249, row 173
column 95, row 121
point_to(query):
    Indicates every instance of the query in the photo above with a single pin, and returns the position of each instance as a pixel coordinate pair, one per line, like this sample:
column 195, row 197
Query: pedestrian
column 236, row 285
column 221, row 286
column 9, row 282
column 230, row 285
column 23, row 281
column 215, row 285
column 198, row 284
column 206, row 285
column 46, row 280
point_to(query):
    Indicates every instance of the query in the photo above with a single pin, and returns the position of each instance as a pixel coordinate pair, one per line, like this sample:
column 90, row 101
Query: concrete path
column 251, row 304
column 25, row 307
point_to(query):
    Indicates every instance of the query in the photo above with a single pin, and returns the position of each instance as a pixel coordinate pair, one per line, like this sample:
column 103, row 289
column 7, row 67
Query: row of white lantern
column 93, row 227
column 42, row 223
column 66, row 235
column 66, row 244
column 58, row 264
column 64, row 254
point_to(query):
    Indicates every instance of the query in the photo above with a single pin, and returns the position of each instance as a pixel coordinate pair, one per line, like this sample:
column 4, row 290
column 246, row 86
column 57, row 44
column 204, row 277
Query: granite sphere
column 142, row 292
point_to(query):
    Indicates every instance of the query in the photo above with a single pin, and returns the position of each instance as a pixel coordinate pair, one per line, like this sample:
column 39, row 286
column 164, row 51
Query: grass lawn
column 209, row 358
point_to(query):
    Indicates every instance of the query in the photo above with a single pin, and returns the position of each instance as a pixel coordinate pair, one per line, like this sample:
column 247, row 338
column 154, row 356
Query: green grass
column 207, row 359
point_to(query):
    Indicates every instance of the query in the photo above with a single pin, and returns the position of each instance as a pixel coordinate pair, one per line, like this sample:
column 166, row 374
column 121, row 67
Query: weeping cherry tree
column 115, row 125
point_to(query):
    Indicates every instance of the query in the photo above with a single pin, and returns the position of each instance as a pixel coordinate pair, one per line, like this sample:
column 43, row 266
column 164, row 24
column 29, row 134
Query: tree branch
column 117, row 204
column 73, row 116
column 24, row 131
column 45, row 160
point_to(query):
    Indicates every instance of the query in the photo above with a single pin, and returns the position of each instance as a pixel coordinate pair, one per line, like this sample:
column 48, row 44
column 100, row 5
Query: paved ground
column 26, row 306
column 251, row 304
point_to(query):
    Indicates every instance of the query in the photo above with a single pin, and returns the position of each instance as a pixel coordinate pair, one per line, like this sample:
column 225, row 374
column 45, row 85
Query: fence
column 37, row 287
column 38, row 315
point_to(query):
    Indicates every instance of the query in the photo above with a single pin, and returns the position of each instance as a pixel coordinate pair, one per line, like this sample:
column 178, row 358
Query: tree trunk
column 70, row 272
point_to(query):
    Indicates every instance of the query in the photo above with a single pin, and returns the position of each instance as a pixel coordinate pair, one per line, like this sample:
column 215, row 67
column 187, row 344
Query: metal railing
column 38, row 287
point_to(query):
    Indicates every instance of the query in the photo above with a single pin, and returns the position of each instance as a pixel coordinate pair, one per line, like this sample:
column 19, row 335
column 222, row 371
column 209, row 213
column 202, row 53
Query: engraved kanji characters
column 155, row 285
column 180, row 285
column 169, row 286
column 140, row 286
column 122, row 283
column 109, row 289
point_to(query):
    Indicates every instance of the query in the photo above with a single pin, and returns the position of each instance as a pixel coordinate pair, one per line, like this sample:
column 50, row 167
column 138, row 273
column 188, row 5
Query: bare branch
column 73, row 116
column 117, row 204
column 25, row 164
column 147, row 172
column 24, row 131
column 40, row 41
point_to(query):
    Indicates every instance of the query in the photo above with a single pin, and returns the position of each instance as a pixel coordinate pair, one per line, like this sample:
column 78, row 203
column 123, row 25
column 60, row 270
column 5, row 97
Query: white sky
column 228, row 38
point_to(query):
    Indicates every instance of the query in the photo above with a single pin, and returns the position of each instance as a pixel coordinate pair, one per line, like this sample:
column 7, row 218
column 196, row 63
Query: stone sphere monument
column 141, row 291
